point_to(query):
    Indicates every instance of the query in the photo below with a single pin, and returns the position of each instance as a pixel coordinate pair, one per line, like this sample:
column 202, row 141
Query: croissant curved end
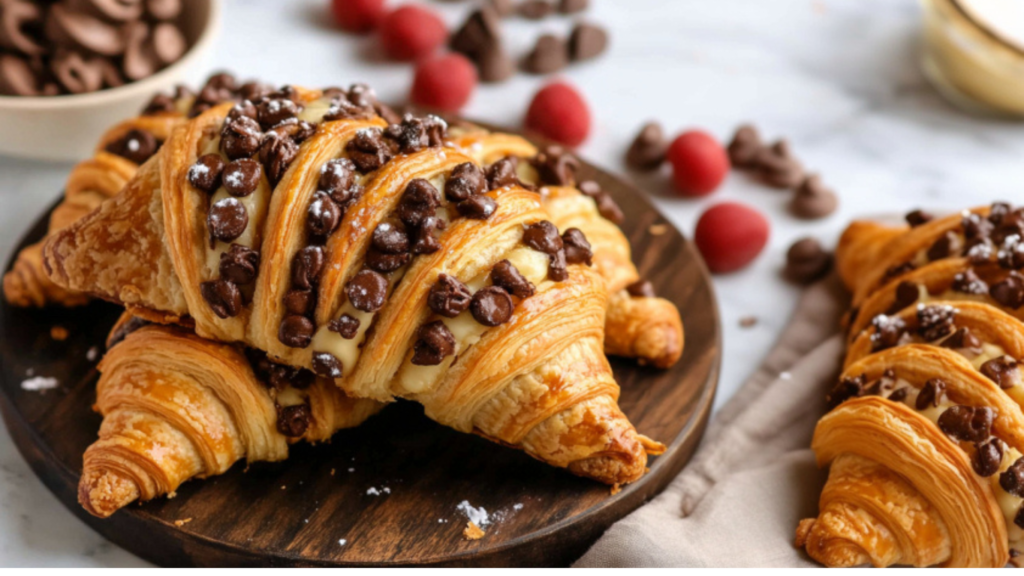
column 661, row 345
column 103, row 492
column 827, row 548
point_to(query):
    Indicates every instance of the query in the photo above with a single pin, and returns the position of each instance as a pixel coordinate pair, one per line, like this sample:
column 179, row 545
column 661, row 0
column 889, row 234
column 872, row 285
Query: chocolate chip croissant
column 925, row 437
column 306, row 226
column 177, row 407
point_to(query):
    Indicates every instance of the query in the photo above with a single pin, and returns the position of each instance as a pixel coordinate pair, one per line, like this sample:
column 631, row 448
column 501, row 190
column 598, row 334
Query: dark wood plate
column 297, row 512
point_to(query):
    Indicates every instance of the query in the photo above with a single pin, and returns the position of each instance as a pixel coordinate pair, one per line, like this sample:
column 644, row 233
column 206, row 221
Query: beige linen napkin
column 738, row 501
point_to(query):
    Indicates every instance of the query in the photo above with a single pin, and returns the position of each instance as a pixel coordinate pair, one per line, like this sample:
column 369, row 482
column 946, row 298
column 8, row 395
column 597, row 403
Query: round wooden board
column 300, row 511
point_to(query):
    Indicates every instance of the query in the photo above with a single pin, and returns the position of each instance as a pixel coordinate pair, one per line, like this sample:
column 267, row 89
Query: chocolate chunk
column 296, row 331
column 883, row 386
column 297, row 131
column 448, row 296
column 293, row 421
column 744, row 147
column 931, row 395
column 979, row 250
column 918, row 217
column 889, row 331
column 67, row 27
column 587, row 41
column 367, row 291
column 435, row 342
column 414, row 134
column 494, row 64
column 946, row 245
column 239, row 265
column 1012, row 480
column 477, row 207
column 240, row 138
column 1009, row 292
column 807, row 261
column 491, row 306
column 998, row 211
column 550, row 54
column 467, row 179
column 558, row 269
column 968, row 423
column 641, row 289
column 336, row 178
column 577, row 249
column 502, row 173
column 556, row 166
column 281, row 376
column 573, row 6
column 536, row 9
column 227, row 220
column 241, row 177
column 543, row 237
column 160, row 104
column 813, row 200
column 299, row 301
column 307, row 264
column 964, row 340
column 506, row 276
column 347, row 326
column 898, row 395
column 906, row 294
column 368, row 150
column 647, row 151
column 390, row 238
column 254, row 92
column 502, row 8
column 897, row 270
column 987, row 457
column 380, row 262
column 419, row 201
column 935, row 322
column 975, row 226
column 425, row 240
column 223, row 297
column 846, row 388
column 205, row 173
column 968, row 282
column 271, row 112
column 480, row 32
column 277, row 153
column 777, row 166
column 136, row 146
column 1003, row 371
column 326, row 365
column 323, row 216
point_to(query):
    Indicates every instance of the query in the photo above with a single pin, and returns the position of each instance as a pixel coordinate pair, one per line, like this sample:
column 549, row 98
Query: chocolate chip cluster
column 292, row 421
column 76, row 46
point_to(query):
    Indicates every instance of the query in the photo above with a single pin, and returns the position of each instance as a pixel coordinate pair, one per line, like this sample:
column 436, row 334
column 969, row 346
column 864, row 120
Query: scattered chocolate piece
column 494, row 64
column 277, row 153
column 975, row 226
column 606, row 206
column 968, row 282
column 467, row 179
column 748, row 321
column 299, row 301
column 935, row 322
column 241, row 177
column 336, row 178
column 1003, row 371
column 449, row 297
column 744, row 146
column 807, row 261
column 641, row 289
column 206, row 172
column 368, row 150
column 945, row 246
column 390, row 238
column 240, row 138
column 550, row 54
column 845, row 389
column 323, row 216
column 556, row 166
column 326, row 365
column 505, row 275
column 223, row 297
column 987, row 457
column 543, row 237
column 307, row 264
column 573, row 6
column 296, row 331
column 425, row 241
column 1012, row 480
column 965, row 341
column 577, row 249
column 272, row 111
column 434, row 344
column 889, row 331
column 918, row 217
column 502, row 173
column 479, row 39
column 968, row 423
column 380, row 262
column 777, row 166
column 906, row 294
column 136, row 145
column 648, row 148
column 813, row 200
column 239, row 265
column 346, row 325
column 931, row 395
column 536, row 9
column 293, row 421
column 227, row 220
column 587, row 41
column 491, row 306
column 420, row 201
column 367, row 291
column 1009, row 292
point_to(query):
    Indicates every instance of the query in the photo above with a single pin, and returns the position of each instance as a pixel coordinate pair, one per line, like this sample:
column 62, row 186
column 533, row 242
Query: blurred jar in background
column 974, row 53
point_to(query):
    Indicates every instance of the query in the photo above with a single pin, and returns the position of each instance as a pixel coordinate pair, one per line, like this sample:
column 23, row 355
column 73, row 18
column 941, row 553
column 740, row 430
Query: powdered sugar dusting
column 39, row 383
column 477, row 516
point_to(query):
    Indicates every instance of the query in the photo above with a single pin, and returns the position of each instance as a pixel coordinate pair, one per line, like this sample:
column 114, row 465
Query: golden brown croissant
column 639, row 324
column 926, row 435
column 177, row 407
column 306, row 226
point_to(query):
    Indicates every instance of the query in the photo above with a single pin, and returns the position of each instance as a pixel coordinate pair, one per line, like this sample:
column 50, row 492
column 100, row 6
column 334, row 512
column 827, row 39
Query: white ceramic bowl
column 67, row 127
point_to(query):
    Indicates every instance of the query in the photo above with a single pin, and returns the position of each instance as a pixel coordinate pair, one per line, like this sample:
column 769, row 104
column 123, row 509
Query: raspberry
column 699, row 163
column 445, row 82
column 358, row 15
column 411, row 32
column 559, row 112
column 730, row 235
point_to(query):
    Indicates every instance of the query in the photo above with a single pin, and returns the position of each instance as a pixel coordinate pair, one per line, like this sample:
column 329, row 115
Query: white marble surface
column 840, row 78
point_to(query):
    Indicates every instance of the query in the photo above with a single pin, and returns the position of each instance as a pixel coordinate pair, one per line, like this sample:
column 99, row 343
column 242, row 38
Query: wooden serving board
column 388, row 492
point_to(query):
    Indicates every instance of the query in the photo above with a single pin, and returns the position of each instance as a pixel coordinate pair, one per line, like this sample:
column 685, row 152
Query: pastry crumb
column 172, row 495
column 59, row 333
column 180, row 523
column 616, row 488
column 657, row 229
column 473, row 532
column 748, row 321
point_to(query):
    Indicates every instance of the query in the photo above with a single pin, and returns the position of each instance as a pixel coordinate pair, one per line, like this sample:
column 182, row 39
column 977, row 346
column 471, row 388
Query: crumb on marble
column 473, row 532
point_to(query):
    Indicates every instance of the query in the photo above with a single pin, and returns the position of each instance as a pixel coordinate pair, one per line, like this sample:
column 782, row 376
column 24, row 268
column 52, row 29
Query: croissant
column 924, row 439
column 305, row 226
column 639, row 324
column 177, row 407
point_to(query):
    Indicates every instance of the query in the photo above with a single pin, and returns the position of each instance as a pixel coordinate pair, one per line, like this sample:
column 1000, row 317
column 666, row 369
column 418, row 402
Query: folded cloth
column 740, row 498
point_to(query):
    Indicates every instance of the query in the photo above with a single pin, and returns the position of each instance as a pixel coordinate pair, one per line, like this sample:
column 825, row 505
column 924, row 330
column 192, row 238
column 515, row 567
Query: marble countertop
column 840, row 78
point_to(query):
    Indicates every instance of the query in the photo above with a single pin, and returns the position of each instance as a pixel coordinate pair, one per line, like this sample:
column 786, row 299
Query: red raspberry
column 730, row 235
column 559, row 112
column 358, row 15
column 445, row 82
column 411, row 32
column 699, row 163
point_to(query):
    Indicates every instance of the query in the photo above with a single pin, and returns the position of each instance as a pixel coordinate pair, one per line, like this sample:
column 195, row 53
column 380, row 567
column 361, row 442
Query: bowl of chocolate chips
column 69, row 69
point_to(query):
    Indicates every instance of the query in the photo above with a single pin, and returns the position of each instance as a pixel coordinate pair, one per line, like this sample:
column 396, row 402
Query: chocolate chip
column 934, row 322
column 813, row 200
column 968, row 423
column 477, row 207
column 368, row 150
column 998, row 211
column 414, row 134
column 975, row 226
column 299, row 301
column 336, row 178
column 536, row 9
column 846, row 388
column 906, row 294
column 467, row 179
column 979, row 250
column 297, row 131
column 931, row 395
column 1009, row 292
column 367, row 291
column 293, row 421
column 918, row 217
column 160, row 104
column 1018, row 519
column 296, row 331
column 494, row 64
column 307, row 264
column 281, row 376
column 573, row 6
column 883, row 386
column 647, row 151
column 271, row 112
column 556, row 166
column 965, row 340
column 744, row 147
column 425, row 239
column 136, row 146
column 448, row 296
column 346, row 325
column 987, row 457
column 1012, row 480
column 491, row 306
column 390, row 238
column 777, row 166
column 946, row 245
column 968, row 282
column 807, row 261
column 543, row 237
column 241, row 177
column 326, row 365
column 240, row 138
column 239, row 265
column 502, row 173
column 889, row 331
column 323, row 216
column 277, row 153
column 502, row 8
column 898, row 395
column 419, row 201
column 505, row 275
column 254, row 92
column 480, row 32
column 434, row 343
column 1003, row 371
column 380, row 262
column 587, row 41
column 641, row 289
column 205, row 173
column 223, row 297
column 558, row 269
column 227, row 220
column 577, row 249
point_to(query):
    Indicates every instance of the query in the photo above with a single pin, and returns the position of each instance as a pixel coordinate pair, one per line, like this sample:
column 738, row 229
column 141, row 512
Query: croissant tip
column 102, row 493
